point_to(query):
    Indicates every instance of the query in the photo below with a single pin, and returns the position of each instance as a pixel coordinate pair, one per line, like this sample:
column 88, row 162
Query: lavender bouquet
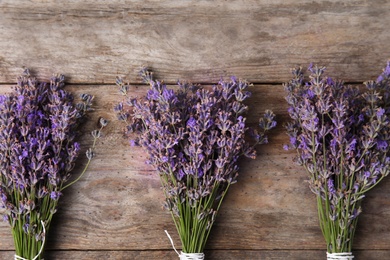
column 342, row 137
column 193, row 137
column 38, row 127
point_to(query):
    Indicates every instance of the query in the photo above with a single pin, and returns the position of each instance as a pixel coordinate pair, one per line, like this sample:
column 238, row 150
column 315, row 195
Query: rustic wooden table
column 115, row 211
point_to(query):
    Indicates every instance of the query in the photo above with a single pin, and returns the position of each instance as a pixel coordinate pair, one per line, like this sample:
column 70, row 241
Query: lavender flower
column 194, row 137
column 38, row 151
column 342, row 137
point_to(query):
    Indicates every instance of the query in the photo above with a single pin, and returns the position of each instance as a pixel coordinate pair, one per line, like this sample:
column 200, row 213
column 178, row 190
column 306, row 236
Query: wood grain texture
column 210, row 255
column 269, row 214
column 93, row 41
column 115, row 211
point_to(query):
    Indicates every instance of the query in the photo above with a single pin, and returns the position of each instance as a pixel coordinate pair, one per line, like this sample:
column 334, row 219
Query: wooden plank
column 210, row 255
column 93, row 41
column 117, row 205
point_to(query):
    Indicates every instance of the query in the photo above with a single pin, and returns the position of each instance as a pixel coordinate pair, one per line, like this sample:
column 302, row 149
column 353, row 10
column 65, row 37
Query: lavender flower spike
column 38, row 151
column 194, row 137
column 342, row 137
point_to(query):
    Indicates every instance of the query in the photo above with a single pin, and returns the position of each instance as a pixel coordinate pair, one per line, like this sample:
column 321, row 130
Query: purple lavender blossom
column 342, row 137
column 38, row 151
column 194, row 137
column 385, row 75
column 331, row 187
column 55, row 195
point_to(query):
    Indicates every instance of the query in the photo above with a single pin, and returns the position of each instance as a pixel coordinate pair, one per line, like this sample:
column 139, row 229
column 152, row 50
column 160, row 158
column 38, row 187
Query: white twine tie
column 40, row 250
column 339, row 256
column 185, row 256
column 191, row 256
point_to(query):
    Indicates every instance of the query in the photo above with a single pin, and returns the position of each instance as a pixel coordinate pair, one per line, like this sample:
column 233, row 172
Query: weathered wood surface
column 212, row 255
column 93, row 41
column 115, row 211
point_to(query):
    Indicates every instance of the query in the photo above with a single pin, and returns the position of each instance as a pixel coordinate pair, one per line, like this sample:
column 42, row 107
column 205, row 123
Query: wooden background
column 115, row 211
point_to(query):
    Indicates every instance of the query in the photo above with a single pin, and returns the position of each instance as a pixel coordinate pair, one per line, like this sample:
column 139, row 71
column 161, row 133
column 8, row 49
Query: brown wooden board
column 211, row 255
column 115, row 211
column 93, row 41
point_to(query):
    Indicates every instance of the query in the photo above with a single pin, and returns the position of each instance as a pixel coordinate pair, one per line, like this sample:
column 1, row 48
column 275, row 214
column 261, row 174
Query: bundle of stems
column 38, row 151
column 342, row 137
column 194, row 137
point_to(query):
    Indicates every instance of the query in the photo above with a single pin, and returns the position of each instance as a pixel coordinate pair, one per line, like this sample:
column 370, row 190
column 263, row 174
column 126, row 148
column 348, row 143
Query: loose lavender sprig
column 194, row 137
column 342, row 137
column 38, row 128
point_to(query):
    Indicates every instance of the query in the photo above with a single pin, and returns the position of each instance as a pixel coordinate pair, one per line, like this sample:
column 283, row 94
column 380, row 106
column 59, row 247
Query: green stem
column 86, row 166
